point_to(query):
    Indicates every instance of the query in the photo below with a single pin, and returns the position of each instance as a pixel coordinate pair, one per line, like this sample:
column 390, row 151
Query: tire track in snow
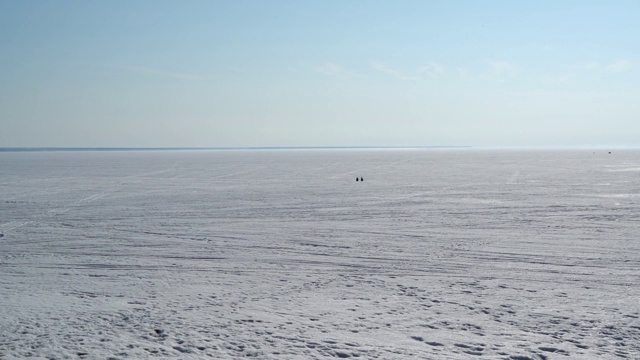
column 362, row 169
column 115, row 186
column 16, row 226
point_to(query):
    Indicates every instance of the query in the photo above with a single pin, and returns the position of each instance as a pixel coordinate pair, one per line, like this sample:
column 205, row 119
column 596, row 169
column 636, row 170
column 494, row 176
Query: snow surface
column 438, row 254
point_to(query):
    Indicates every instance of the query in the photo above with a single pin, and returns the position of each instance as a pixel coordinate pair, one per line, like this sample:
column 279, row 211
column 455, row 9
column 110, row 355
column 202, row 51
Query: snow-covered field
column 438, row 254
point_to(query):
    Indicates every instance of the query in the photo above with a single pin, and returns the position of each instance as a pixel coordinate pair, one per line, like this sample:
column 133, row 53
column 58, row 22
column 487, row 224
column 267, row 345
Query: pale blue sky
column 319, row 73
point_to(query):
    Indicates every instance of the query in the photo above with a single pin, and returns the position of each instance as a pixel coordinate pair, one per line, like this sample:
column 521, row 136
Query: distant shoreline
column 259, row 148
column 52, row 149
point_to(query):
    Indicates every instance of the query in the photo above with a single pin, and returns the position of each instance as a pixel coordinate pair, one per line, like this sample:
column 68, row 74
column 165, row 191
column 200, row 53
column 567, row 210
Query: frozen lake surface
column 438, row 254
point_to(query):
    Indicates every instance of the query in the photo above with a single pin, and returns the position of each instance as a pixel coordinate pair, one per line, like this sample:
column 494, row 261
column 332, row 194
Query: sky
column 319, row 73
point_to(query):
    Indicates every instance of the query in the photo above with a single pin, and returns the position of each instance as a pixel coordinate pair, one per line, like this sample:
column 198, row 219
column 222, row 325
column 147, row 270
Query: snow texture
column 439, row 254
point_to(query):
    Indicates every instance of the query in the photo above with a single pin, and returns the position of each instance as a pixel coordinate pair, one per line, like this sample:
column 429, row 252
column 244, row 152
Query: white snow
column 438, row 254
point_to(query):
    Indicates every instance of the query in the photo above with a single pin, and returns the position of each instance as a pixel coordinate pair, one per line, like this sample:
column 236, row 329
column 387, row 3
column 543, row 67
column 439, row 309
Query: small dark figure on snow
column 357, row 179
column 361, row 179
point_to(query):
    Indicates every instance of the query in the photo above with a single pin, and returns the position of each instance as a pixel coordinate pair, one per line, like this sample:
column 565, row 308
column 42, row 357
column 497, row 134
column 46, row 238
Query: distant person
column 361, row 179
column 357, row 179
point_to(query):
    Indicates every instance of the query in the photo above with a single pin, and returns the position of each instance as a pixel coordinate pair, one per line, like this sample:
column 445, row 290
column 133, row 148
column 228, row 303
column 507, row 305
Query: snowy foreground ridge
column 438, row 254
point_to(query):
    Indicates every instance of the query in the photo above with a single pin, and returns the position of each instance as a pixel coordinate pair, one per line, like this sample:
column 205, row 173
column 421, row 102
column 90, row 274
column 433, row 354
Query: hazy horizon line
column 169, row 148
column 371, row 147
